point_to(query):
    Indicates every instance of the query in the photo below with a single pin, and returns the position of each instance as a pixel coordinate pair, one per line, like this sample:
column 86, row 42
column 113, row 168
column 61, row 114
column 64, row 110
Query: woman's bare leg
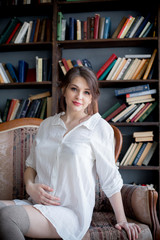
column 44, row 230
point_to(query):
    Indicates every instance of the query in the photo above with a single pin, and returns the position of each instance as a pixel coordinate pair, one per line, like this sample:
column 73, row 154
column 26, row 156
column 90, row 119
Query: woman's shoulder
column 47, row 122
column 102, row 124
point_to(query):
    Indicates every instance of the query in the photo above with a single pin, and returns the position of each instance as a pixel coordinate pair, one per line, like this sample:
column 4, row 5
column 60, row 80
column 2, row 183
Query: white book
column 136, row 27
column 63, row 32
column 22, row 32
column 126, row 154
column 132, row 69
column 118, row 67
column 39, row 62
column 138, row 56
column 152, row 91
column 4, row 74
column 135, row 112
column 150, row 154
column 144, row 29
column 114, row 68
column 124, row 68
column 121, row 114
column 29, row 31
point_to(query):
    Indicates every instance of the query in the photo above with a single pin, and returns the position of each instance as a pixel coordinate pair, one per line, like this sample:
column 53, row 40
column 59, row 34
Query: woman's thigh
column 40, row 227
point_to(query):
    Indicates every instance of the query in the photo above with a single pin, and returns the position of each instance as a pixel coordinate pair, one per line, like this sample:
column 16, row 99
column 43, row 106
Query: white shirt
column 69, row 163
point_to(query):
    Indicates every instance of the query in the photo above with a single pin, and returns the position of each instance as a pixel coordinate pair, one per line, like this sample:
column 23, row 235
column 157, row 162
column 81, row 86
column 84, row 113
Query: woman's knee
column 14, row 215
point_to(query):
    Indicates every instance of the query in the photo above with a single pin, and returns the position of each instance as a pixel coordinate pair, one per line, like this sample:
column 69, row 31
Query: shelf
column 108, row 43
column 25, row 85
column 136, row 124
column 126, row 83
column 25, row 46
column 135, row 168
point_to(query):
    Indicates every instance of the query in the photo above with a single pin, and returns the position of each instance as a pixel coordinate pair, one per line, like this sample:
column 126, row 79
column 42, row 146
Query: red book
column 13, row 32
column 31, row 75
column 96, row 25
column 124, row 25
column 140, row 111
column 85, row 30
column 114, row 113
column 65, row 64
column 11, row 108
column 107, row 63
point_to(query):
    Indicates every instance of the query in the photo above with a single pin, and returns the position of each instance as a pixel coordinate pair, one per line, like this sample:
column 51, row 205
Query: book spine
column 134, row 89
column 139, row 154
column 107, row 63
column 116, row 112
column 96, row 25
column 146, row 114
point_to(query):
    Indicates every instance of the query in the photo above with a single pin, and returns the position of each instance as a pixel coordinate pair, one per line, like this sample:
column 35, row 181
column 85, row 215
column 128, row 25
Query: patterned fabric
column 14, row 149
column 102, row 227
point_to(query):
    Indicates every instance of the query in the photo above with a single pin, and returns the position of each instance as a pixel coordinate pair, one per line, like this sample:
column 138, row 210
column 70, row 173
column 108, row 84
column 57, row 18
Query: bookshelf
column 103, row 48
column 92, row 49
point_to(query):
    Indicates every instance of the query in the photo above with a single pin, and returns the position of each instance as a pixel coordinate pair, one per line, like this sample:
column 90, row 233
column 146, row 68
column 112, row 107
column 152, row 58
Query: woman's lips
column 77, row 103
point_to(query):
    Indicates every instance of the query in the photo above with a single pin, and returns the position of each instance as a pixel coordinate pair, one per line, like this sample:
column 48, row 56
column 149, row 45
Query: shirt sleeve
column 103, row 147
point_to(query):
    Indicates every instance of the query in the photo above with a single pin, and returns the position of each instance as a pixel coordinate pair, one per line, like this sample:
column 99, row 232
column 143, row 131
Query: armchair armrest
column 140, row 204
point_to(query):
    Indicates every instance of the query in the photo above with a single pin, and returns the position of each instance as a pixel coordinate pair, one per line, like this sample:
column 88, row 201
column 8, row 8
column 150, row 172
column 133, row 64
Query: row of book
column 140, row 151
column 22, row 2
column 129, row 67
column 38, row 106
column 97, row 27
column 135, row 26
column 138, row 106
column 36, row 30
column 66, row 64
column 94, row 27
column 10, row 74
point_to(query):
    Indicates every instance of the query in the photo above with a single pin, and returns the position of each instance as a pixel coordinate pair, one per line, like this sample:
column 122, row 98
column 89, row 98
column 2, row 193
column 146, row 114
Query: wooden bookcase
column 97, row 51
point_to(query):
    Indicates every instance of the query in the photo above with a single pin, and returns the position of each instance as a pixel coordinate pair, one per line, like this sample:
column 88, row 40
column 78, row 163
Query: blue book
column 143, row 24
column 107, row 70
column 107, row 25
column 22, row 70
column 33, row 30
column 72, row 28
column 134, row 89
column 139, row 154
column 12, row 71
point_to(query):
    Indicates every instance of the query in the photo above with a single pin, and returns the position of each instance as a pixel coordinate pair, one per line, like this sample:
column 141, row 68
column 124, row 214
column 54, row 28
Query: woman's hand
column 132, row 229
column 39, row 193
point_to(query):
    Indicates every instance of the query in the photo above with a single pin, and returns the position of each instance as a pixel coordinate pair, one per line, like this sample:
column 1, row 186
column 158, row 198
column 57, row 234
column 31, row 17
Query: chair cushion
column 102, row 228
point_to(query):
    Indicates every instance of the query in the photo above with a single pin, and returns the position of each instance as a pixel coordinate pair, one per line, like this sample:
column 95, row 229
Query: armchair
column 16, row 138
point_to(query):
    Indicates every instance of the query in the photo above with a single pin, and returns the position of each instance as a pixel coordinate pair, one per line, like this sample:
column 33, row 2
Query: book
column 134, row 99
column 150, row 64
column 146, row 114
column 109, row 77
column 106, row 64
column 39, row 69
column 150, row 154
column 151, row 91
column 29, row 31
column 13, row 32
column 139, row 154
column 143, row 134
column 79, row 36
column 135, row 152
column 103, row 76
column 22, row 70
column 35, row 38
column 127, row 113
column 142, row 56
column 32, row 30
column 12, row 71
column 144, row 139
column 11, row 108
column 116, row 112
column 72, row 21
column 134, row 89
column 6, row 109
column 127, row 63
column 138, row 23
column 107, row 26
column 121, row 114
column 4, row 74
column 117, row 30
column 135, row 112
column 144, row 154
column 39, row 96
column 31, row 75
column 22, row 33
column 59, row 25
column 101, row 27
column 126, row 154
column 122, row 32
column 142, row 25
column 119, row 69
column 139, row 68
column 63, row 30
column 62, row 67
column 111, row 109
column 136, row 117
column 96, row 25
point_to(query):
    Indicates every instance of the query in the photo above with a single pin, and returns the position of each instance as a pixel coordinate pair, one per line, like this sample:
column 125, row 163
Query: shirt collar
column 90, row 123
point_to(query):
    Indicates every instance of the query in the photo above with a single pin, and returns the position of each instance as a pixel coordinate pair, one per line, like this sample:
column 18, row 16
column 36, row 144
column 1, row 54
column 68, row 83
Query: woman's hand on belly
column 40, row 194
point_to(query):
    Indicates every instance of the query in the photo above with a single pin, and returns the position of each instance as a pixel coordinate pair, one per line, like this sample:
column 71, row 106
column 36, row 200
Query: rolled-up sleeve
column 103, row 147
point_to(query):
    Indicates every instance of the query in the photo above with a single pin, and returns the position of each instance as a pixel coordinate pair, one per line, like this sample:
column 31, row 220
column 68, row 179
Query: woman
column 69, row 150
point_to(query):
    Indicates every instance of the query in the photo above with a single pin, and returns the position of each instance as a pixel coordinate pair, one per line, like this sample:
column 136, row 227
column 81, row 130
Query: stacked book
column 129, row 67
column 140, row 151
column 94, row 27
column 134, row 26
column 38, row 106
column 66, row 64
column 36, row 30
column 138, row 106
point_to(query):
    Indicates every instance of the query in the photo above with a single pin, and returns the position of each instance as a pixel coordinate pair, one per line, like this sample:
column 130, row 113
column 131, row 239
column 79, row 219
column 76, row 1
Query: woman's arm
column 131, row 228
column 38, row 192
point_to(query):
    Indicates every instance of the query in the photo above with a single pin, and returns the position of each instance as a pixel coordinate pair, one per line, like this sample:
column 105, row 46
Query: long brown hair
column 90, row 78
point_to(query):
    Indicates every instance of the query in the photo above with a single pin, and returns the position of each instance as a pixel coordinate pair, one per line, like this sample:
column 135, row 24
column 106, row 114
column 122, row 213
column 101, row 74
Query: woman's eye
column 86, row 92
column 73, row 89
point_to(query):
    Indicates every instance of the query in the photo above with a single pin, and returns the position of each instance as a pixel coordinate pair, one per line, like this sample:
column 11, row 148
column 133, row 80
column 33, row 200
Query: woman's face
column 77, row 95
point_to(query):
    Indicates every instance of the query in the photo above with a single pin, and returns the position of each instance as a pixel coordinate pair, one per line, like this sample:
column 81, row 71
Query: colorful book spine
column 124, row 91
